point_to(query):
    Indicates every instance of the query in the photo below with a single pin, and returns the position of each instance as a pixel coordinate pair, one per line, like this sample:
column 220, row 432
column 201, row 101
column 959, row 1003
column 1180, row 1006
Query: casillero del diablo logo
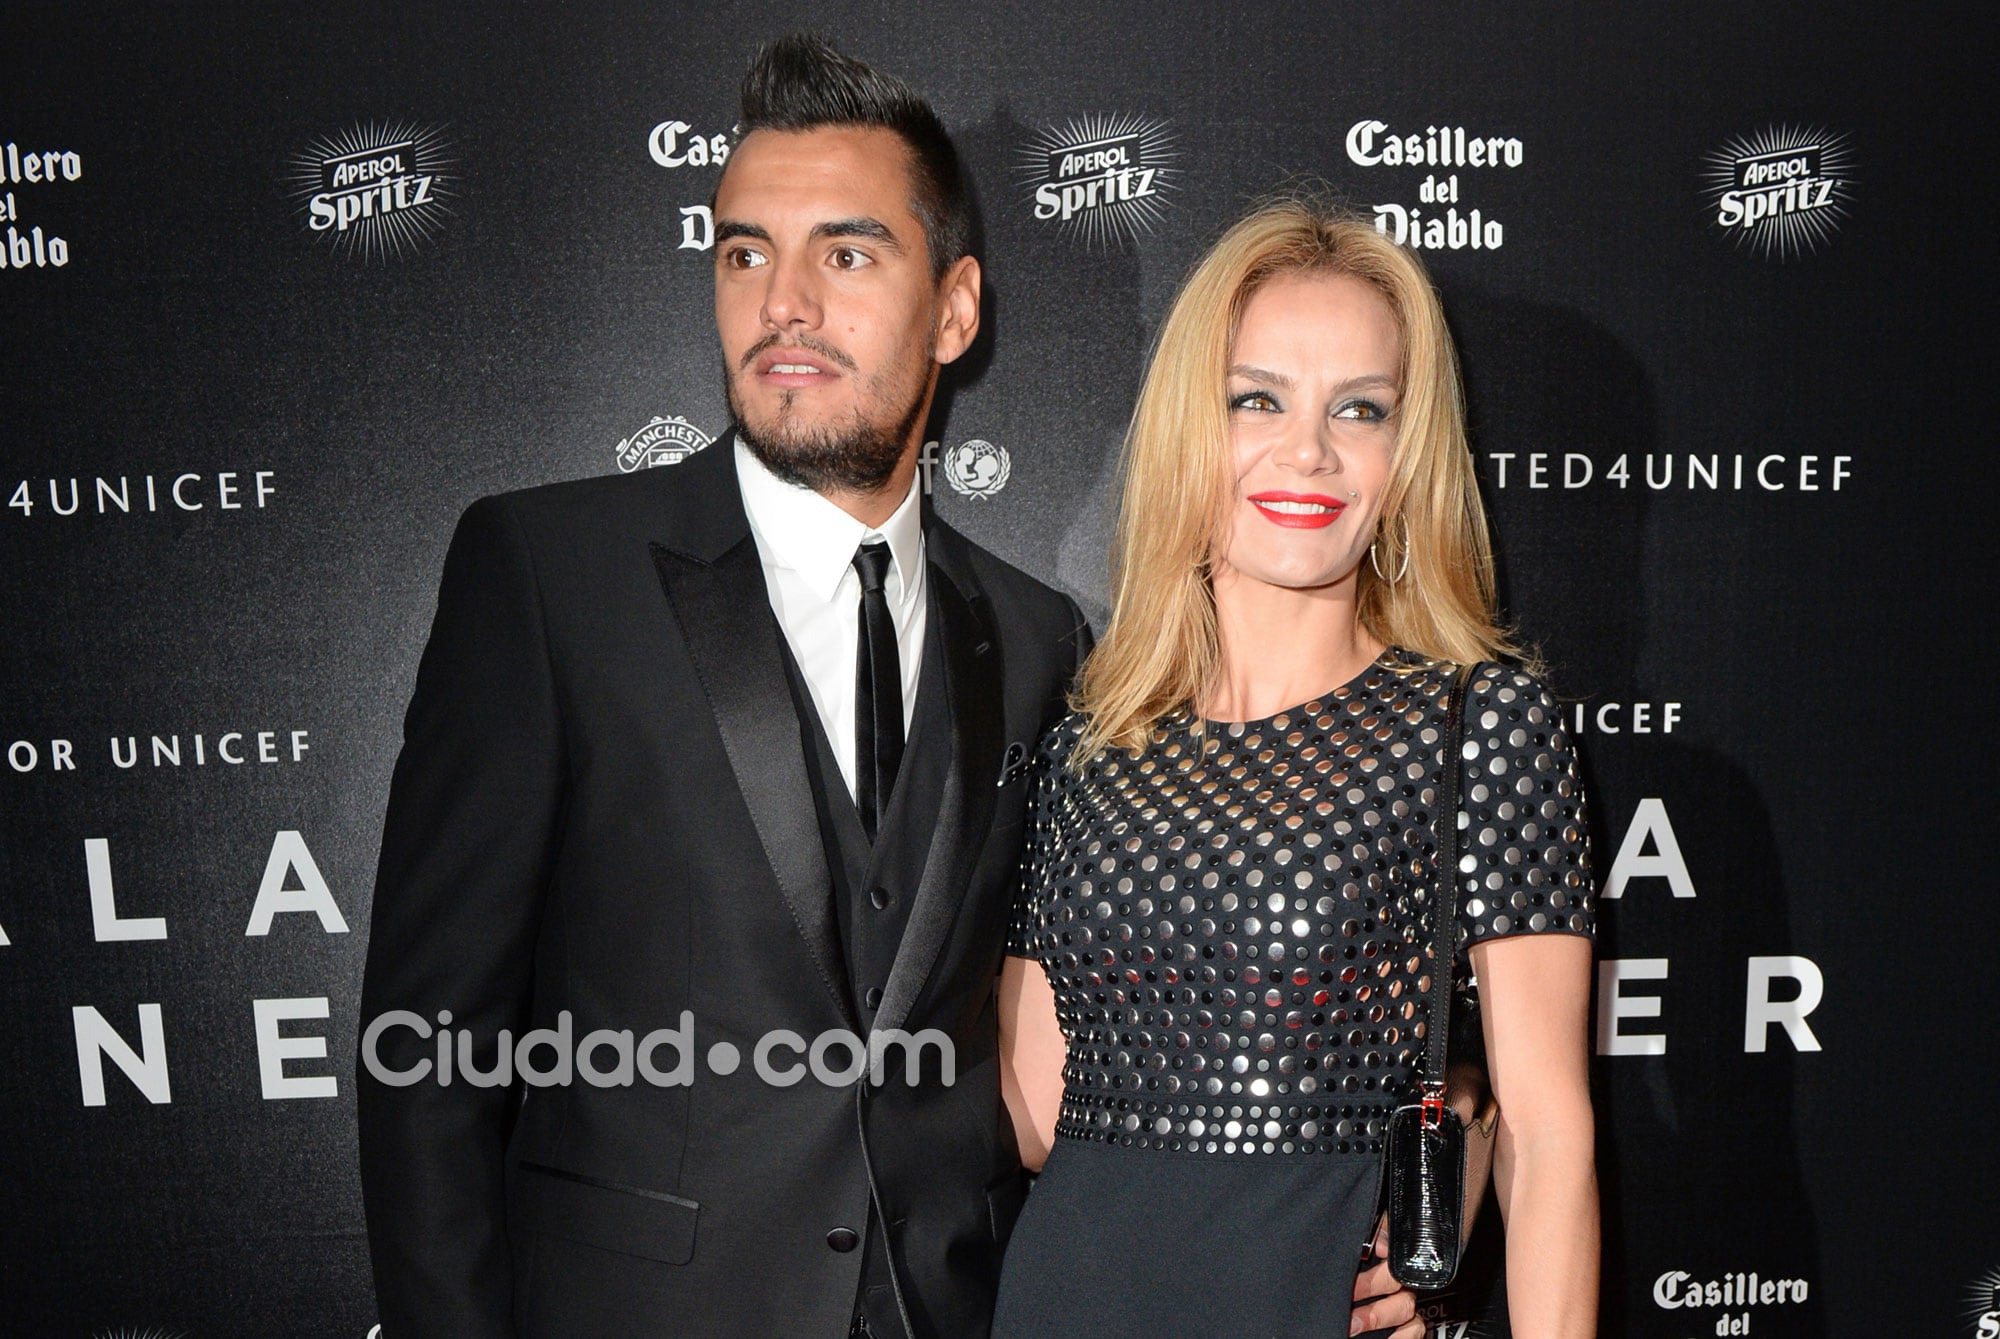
column 374, row 191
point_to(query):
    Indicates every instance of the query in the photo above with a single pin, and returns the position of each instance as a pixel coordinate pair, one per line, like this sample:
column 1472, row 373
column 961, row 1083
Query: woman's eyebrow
column 1262, row 376
column 1266, row 377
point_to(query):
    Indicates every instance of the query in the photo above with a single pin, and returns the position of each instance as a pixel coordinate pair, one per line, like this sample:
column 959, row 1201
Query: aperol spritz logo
column 1445, row 1316
column 1983, row 1305
column 374, row 191
column 1102, row 178
column 1781, row 192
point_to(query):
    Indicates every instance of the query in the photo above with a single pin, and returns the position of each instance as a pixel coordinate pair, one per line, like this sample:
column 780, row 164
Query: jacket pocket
column 649, row 1224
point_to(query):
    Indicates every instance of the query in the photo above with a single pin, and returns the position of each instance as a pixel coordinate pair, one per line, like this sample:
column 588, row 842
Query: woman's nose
column 1308, row 448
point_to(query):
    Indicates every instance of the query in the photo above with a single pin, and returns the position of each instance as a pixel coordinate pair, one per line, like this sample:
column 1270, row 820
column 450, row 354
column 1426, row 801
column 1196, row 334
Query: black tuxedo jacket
column 602, row 808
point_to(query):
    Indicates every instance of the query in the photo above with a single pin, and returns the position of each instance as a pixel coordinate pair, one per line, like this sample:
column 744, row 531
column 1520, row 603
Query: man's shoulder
column 650, row 497
column 1006, row 585
column 1028, row 614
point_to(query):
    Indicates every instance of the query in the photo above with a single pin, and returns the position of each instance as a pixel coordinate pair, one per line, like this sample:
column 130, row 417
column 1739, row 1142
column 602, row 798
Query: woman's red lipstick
column 1302, row 511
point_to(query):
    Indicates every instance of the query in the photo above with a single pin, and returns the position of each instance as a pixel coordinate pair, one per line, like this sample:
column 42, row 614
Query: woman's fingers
column 1398, row 1309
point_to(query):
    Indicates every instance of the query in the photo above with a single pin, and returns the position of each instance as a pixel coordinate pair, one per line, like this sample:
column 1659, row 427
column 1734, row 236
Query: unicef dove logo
column 976, row 468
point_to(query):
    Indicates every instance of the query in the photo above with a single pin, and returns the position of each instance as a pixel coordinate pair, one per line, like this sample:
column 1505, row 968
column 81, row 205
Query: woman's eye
column 1259, row 401
column 1366, row 411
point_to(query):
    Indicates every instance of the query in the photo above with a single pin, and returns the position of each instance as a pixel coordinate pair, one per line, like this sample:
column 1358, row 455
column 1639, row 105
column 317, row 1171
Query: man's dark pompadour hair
column 799, row 82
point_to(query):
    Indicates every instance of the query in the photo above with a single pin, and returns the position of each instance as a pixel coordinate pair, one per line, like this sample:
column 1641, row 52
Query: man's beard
column 856, row 457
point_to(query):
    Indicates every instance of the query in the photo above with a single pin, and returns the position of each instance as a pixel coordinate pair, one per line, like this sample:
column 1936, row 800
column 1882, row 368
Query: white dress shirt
column 807, row 547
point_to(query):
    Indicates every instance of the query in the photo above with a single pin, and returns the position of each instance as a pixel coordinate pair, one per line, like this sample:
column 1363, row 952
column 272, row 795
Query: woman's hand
column 1032, row 1051
column 1388, row 1302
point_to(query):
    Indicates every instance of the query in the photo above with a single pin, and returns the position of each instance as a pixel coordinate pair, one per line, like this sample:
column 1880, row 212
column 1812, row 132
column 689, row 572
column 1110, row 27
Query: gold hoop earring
column 1404, row 568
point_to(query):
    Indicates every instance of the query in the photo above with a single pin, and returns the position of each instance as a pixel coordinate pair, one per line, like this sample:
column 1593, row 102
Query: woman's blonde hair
column 1162, row 650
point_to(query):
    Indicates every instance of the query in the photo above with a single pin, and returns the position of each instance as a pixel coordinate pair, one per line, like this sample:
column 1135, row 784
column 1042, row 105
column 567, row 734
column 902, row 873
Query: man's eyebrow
column 872, row 230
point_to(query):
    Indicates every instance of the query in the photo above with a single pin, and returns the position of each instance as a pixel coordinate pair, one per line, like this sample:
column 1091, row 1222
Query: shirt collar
column 798, row 529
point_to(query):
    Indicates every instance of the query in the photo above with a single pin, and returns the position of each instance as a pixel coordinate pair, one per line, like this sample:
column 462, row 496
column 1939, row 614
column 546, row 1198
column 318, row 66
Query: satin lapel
column 723, row 611
column 965, row 810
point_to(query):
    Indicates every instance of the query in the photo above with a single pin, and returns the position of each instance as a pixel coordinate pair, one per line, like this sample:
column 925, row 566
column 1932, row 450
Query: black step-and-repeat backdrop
column 285, row 288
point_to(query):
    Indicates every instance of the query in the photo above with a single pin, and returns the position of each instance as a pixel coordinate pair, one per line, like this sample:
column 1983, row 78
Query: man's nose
column 791, row 299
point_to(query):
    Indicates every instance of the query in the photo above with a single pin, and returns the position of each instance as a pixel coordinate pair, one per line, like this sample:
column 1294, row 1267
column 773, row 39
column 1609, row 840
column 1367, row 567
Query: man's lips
column 795, row 368
column 1298, row 511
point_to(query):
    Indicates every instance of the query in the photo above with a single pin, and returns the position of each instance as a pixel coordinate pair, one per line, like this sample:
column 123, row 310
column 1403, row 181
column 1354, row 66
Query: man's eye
column 847, row 258
column 1259, row 401
column 743, row 258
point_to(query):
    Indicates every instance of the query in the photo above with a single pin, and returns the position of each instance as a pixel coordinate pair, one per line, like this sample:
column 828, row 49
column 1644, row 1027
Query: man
column 744, row 738
column 656, row 761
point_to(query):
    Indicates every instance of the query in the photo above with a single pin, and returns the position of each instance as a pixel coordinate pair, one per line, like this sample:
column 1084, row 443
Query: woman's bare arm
column 1534, row 994
column 1032, row 1050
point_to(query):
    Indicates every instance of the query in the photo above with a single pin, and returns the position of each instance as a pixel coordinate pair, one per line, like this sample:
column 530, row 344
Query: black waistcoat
column 873, row 884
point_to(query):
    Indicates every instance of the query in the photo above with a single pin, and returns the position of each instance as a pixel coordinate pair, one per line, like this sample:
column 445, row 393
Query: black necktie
column 878, row 692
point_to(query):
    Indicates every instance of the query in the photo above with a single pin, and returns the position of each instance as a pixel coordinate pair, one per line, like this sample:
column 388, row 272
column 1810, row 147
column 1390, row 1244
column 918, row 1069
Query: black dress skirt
column 1130, row 1242
column 1234, row 922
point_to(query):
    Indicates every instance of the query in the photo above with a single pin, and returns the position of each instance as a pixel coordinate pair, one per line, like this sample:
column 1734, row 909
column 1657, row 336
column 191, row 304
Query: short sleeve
column 1524, row 849
column 1031, row 891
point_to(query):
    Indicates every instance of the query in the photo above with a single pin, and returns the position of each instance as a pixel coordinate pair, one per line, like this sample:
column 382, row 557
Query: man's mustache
column 809, row 343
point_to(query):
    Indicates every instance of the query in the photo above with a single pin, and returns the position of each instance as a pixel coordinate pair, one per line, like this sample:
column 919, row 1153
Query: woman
column 1212, row 995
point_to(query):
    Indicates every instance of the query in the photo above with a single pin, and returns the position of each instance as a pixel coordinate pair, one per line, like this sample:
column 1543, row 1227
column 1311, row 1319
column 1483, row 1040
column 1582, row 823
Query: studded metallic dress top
column 1236, row 920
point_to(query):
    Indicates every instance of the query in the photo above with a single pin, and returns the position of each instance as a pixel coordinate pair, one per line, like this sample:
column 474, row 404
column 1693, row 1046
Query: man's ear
column 958, row 309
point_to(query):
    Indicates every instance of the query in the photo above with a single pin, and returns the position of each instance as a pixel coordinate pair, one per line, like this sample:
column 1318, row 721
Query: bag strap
column 1444, row 892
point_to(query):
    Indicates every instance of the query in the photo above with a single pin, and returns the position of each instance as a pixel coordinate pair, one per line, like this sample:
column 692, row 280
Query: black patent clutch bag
column 1423, row 1171
column 1425, row 1166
